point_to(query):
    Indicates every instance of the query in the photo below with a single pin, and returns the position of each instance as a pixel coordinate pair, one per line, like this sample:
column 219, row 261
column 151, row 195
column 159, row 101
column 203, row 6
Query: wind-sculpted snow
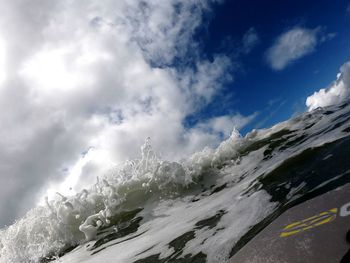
column 203, row 208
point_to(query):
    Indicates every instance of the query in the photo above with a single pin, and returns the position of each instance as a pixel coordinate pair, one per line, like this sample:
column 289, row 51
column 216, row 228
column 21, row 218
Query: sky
column 84, row 83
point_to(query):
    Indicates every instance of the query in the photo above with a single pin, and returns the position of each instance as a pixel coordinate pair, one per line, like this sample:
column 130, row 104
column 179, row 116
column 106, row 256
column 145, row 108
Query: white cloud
column 327, row 37
column 82, row 74
column 291, row 46
column 2, row 61
column 224, row 125
column 337, row 92
column 250, row 40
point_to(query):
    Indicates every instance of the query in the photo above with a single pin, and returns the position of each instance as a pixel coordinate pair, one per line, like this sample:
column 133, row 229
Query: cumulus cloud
column 224, row 125
column 2, row 61
column 250, row 40
column 87, row 81
column 291, row 46
column 337, row 92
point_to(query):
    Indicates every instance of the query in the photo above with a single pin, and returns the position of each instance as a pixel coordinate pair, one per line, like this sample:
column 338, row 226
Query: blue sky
column 275, row 94
column 83, row 83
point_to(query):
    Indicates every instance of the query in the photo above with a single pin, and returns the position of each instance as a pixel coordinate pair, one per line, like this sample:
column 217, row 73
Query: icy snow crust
column 156, row 210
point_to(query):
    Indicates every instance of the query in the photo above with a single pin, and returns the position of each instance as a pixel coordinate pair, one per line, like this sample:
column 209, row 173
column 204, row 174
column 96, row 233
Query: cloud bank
column 337, row 92
column 291, row 46
column 96, row 78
